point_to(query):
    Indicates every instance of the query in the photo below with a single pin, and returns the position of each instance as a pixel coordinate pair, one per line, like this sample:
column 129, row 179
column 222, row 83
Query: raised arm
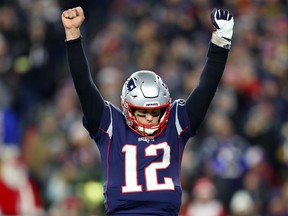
column 199, row 100
column 91, row 100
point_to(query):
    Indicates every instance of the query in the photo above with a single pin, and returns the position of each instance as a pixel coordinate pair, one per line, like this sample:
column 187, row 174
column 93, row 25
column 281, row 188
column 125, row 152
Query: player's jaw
column 147, row 120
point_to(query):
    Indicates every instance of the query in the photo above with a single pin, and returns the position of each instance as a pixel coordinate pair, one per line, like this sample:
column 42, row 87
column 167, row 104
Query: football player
column 141, row 146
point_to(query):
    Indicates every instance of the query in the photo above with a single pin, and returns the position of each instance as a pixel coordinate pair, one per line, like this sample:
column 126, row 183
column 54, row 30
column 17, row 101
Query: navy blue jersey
column 142, row 175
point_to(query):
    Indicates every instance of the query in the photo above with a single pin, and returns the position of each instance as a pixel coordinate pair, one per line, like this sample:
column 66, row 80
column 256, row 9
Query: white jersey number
column 151, row 177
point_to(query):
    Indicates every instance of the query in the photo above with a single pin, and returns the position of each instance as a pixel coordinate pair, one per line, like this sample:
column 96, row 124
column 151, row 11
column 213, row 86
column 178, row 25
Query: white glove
column 223, row 21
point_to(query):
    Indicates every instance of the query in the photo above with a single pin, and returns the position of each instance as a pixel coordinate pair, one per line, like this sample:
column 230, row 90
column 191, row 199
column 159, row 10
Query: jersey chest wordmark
column 151, row 176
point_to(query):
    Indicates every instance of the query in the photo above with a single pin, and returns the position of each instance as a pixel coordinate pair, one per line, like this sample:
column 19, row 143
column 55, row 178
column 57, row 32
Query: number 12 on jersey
column 151, row 175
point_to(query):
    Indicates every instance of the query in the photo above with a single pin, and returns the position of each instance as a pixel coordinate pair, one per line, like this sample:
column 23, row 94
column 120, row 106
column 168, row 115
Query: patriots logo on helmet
column 131, row 85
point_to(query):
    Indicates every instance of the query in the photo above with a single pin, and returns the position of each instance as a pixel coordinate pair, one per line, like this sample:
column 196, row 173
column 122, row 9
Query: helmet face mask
column 145, row 90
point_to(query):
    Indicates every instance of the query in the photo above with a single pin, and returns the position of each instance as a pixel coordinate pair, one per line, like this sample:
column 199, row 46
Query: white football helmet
column 145, row 90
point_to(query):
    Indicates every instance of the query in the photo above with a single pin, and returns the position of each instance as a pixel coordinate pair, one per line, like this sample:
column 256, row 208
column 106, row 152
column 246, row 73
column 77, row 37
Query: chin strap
column 148, row 131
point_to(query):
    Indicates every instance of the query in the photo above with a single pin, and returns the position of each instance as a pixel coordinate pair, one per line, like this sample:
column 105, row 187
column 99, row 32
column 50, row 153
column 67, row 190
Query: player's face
column 147, row 116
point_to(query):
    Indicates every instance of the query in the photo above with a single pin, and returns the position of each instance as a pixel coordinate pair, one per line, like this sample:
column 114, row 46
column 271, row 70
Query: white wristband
column 221, row 42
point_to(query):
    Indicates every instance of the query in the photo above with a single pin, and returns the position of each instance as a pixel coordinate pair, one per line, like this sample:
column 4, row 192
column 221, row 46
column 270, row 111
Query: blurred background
column 237, row 163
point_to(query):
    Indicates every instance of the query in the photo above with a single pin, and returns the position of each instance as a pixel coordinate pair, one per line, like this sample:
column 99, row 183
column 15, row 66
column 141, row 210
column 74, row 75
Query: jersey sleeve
column 182, row 121
column 105, row 125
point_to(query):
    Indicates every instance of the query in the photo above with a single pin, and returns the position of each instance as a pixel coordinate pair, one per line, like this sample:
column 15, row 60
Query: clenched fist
column 223, row 21
column 72, row 20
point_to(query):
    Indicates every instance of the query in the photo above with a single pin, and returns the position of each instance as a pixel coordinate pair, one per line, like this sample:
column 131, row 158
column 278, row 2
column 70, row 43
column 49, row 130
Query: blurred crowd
column 237, row 164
